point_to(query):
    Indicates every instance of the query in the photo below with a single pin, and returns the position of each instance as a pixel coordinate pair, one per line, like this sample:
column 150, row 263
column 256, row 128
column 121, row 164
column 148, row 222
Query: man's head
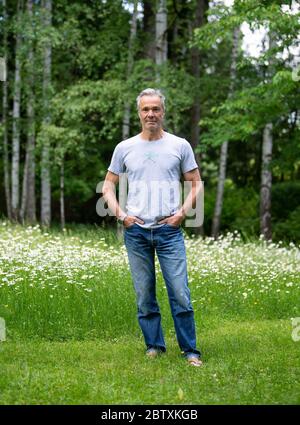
column 151, row 109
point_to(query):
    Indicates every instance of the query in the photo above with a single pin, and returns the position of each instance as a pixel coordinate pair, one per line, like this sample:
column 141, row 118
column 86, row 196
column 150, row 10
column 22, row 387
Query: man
column 154, row 162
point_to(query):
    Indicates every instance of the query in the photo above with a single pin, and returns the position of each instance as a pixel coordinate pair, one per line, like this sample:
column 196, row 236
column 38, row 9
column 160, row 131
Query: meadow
column 72, row 335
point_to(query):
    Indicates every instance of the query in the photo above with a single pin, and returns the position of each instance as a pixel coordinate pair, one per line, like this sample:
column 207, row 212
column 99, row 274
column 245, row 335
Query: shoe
column 194, row 361
column 152, row 353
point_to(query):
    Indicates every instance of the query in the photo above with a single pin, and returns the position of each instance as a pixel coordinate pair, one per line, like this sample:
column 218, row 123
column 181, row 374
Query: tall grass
column 77, row 285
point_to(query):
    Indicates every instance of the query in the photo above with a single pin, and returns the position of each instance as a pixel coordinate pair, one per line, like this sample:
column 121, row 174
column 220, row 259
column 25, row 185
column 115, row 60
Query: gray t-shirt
column 153, row 169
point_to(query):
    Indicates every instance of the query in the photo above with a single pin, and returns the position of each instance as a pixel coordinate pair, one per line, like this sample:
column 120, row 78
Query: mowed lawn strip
column 255, row 362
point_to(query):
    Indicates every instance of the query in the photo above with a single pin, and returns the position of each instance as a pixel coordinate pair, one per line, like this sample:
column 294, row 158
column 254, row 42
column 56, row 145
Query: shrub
column 288, row 230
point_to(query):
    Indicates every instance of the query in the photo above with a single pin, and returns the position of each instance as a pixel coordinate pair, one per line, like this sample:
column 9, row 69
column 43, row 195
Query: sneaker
column 194, row 361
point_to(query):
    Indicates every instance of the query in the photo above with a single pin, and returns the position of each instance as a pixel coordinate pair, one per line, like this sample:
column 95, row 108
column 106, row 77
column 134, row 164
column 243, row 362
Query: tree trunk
column 201, row 8
column 45, row 159
column 266, row 183
column 161, row 42
column 224, row 148
column 266, row 174
column 126, row 116
column 148, row 25
column 31, row 201
column 62, row 195
column 28, row 208
column 15, row 166
column 220, row 191
column 127, row 111
column 4, row 119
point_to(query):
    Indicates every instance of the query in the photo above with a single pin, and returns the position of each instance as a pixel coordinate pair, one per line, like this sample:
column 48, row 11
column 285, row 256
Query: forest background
column 70, row 73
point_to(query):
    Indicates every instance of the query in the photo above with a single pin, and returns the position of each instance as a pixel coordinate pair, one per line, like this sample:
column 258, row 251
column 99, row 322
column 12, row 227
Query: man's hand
column 131, row 219
column 174, row 220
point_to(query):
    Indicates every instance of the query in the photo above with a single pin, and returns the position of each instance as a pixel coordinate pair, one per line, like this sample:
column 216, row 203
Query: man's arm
column 196, row 187
column 109, row 194
column 194, row 177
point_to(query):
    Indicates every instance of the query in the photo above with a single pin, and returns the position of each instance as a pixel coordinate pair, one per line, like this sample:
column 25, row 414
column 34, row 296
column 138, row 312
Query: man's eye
column 148, row 109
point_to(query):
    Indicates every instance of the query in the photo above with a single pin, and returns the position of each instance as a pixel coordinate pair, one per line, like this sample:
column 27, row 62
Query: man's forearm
column 109, row 194
column 191, row 199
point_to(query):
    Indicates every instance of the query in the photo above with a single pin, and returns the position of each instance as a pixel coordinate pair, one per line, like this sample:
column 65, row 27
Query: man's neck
column 152, row 135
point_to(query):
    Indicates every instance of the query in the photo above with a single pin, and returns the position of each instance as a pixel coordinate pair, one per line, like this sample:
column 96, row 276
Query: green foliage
column 289, row 229
column 285, row 198
column 248, row 110
column 256, row 13
column 60, row 139
column 176, row 84
column 264, row 90
column 94, row 35
column 94, row 110
column 90, row 86
column 240, row 209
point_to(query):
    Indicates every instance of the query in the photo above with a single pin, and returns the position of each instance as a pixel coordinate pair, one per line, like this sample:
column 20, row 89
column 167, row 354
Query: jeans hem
column 157, row 347
column 192, row 354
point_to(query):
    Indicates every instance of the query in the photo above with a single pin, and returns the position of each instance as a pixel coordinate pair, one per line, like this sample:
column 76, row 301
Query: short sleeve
column 188, row 161
column 117, row 161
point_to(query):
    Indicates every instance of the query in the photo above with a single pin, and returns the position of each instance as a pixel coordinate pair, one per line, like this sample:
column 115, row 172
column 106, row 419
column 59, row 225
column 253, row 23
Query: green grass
column 245, row 363
column 72, row 333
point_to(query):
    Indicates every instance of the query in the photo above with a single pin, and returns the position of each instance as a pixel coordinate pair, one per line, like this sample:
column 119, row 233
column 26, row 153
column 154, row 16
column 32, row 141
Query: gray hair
column 151, row 92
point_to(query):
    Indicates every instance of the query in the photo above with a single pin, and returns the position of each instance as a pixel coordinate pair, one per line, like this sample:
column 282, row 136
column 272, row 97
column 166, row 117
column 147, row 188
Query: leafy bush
column 288, row 230
column 240, row 209
column 285, row 199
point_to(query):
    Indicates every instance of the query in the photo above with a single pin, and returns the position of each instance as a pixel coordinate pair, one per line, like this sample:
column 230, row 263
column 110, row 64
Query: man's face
column 151, row 113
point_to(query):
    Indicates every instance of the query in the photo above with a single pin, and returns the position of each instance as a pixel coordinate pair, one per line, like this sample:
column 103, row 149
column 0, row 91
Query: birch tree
column 45, row 154
column 266, row 182
column 62, row 195
column 4, row 119
column 199, row 21
column 130, row 59
column 148, row 24
column 28, row 207
column 201, row 8
column 224, row 147
column 161, row 45
column 15, row 166
column 266, row 173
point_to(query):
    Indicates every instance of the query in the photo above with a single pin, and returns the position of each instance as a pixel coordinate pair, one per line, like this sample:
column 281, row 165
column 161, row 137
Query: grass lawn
column 245, row 363
column 72, row 334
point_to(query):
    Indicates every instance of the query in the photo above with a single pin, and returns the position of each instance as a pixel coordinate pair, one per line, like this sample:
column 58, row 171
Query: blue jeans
column 168, row 243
